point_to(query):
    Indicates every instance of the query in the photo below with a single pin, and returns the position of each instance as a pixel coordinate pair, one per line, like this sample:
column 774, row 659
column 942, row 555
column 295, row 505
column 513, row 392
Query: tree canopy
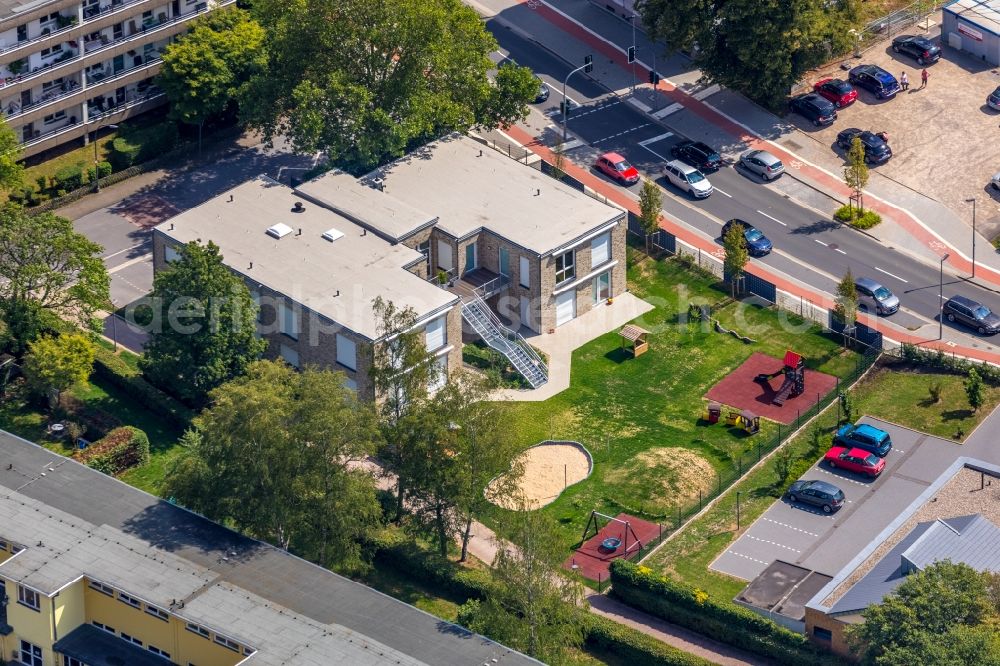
column 48, row 271
column 11, row 170
column 204, row 325
column 650, row 208
column 856, row 172
column 275, row 454
column 364, row 80
column 737, row 255
column 55, row 364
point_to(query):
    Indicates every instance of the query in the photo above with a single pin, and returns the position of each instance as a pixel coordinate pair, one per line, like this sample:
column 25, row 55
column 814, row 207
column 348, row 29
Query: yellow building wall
column 32, row 626
column 194, row 649
column 69, row 608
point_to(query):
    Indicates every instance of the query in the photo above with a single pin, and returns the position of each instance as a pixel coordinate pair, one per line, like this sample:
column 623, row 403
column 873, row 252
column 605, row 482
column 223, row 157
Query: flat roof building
column 973, row 26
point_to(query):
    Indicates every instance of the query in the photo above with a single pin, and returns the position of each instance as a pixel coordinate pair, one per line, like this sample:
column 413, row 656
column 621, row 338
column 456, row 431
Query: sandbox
column 549, row 468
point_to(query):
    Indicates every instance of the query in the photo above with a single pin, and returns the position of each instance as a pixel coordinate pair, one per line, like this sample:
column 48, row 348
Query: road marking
column 660, row 137
column 707, row 92
column 615, row 136
column 842, row 478
column 665, row 159
column 667, row 110
column 721, row 192
column 773, row 543
column 747, row 557
column 128, row 249
column 891, row 275
column 130, row 262
column 560, row 93
column 645, row 108
column 772, row 218
column 502, row 57
column 841, row 251
column 790, row 527
column 821, row 242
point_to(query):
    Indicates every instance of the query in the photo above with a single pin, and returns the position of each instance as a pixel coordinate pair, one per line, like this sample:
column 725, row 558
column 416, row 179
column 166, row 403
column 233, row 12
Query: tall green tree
column 364, row 80
column 856, row 172
column 48, row 272
column 274, row 454
column 204, row 71
column 531, row 607
column 735, row 245
column 53, row 364
column 11, row 170
column 846, row 305
column 204, row 325
column 974, row 389
column 941, row 615
column 650, row 208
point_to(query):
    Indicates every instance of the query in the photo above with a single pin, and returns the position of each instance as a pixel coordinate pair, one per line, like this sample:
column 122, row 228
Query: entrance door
column 445, row 261
column 565, row 307
column 470, row 257
column 504, row 262
column 526, row 313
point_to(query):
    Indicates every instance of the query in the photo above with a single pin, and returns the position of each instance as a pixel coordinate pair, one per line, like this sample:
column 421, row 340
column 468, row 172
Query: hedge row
column 640, row 588
column 394, row 549
column 118, row 451
column 111, row 368
column 938, row 359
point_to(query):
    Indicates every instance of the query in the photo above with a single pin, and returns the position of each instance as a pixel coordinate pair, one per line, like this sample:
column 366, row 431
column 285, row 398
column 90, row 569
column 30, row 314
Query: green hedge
column 111, row 368
column 939, row 360
column 640, row 588
column 124, row 153
column 635, row 647
column 68, row 178
column 120, row 450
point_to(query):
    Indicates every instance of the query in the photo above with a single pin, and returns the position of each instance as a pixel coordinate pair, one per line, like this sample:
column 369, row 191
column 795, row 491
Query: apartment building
column 97, row 573
column 70, row 67
column 315, row 275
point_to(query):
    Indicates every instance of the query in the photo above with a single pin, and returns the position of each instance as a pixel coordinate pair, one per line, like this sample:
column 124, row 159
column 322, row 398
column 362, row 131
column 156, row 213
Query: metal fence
column 894, row 23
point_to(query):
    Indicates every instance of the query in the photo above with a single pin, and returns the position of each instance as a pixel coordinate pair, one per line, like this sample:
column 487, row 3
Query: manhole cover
column 833, row 246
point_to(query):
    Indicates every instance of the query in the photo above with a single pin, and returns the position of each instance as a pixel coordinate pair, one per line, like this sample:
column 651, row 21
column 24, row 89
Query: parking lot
column 804, row 535
column 945, row 140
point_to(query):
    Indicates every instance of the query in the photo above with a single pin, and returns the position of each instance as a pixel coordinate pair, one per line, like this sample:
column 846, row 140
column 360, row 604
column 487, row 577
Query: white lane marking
column 666, row 111
column 665, row 159
column 661, row 137
column 131, row 262
column 560, row 93
column 615, row 136
column 773, row 543
column 747, row 557
column 721, row 192
column 772, row 218
column 502, row 57
column 790, row 527
column 841, row 251
column 882, row 270
column 842, row 478
column 821, row 242
column 115, row 254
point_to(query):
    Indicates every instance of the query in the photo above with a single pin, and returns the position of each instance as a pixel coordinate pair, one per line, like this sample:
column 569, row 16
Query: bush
column 43, row 182
column 124, row 153
column 938, row 360
column 111, row 368
column 104, row 169
column 69, row 177
column 844, row 214
column 153, row 140
column 120, row 450
column 657, row 595
column 633, row 646
column 867, row 220
column 95, row 421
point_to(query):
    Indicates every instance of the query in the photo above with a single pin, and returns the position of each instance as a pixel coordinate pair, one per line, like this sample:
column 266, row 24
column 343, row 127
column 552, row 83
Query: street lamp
column 631, row 20
column 941, row 297
column 973, row 202
column 97, row 171
column 738, row 493
column 587, row 66
column 114, row 323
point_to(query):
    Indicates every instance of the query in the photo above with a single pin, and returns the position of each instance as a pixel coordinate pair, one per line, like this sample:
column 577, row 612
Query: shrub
column 104, row 169
column 867, row 220
column 152, row 141
column 934, row 390
column 124, row 153
column 951, row 364
column 69, row 177
column 120, row 450
column 95, row 421
column 111, row 368
column 633, row 646
column 43, row 182
column 844, row 214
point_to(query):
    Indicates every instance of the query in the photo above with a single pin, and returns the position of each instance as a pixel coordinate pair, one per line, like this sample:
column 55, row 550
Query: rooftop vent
column 279, row 230
column 332, row 234
column 378, row 184
column 298, row 207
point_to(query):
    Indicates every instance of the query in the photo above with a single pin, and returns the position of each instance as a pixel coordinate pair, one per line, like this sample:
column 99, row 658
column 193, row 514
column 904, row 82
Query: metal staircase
column 508, row 342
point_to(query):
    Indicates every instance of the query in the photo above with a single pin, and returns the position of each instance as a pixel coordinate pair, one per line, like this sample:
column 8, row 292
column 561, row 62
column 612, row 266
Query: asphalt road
column 808, row 245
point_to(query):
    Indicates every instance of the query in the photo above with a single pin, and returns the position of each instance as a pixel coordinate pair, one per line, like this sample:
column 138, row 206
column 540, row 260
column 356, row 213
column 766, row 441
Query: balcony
column 77, row 130
column 15, row 109
column 90, row 14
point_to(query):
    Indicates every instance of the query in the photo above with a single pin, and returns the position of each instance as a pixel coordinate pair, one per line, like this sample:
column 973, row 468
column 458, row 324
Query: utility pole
column 631, row 51
column 587, row 67
column 973, row 202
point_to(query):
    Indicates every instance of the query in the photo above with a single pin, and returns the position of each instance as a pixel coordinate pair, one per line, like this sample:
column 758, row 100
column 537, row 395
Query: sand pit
column 549, row 468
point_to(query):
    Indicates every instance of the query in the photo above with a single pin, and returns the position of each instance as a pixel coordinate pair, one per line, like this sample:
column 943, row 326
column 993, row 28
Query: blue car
column 864, row 436
column 757, row 243
column 875, row 80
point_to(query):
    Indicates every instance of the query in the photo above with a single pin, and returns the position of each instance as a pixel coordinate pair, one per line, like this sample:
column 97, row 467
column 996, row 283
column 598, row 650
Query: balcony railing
column 39, row 38
column 99, row 78
column 15, row 109
column 90, row 13
column 148, row 97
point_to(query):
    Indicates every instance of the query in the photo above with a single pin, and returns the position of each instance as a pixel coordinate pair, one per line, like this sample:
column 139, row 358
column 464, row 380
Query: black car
column 817, row 110
column 697, row 154
column 543, row 92
column 819, row 493
column 877, row 151
column 919, row 48
column 971, row 313
column 757, row 243
column 875, row 80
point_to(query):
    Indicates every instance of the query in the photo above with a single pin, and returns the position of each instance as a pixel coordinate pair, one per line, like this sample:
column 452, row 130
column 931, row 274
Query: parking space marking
column 615, row 136
column 773, row 543
column 724, row 193
column 772, row 218
column 660, row 137
column 654, row 152
column 815, row 512
column 747, row 557
column 790, row 527
column 842, row 478
column 891, row 275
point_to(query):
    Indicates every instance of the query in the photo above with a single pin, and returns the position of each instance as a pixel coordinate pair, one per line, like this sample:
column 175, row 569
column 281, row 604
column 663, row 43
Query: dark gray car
column 873, row 297
column 971, row 313
column 825, row 495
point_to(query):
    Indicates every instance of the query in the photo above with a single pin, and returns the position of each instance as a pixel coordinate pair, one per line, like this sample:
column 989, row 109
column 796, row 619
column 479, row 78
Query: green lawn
column 640, row 417
column 893, row 392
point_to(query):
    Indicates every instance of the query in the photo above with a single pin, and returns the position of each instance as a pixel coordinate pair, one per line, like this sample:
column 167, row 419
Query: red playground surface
column 739, row 389
column 594, row 561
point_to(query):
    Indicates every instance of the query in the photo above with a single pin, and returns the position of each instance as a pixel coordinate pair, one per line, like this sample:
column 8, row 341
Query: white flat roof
column 982, row 13
column 305, row 266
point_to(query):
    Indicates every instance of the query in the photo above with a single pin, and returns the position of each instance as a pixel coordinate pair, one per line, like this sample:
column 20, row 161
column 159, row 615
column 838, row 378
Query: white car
column 995, row 181
column 687, row 178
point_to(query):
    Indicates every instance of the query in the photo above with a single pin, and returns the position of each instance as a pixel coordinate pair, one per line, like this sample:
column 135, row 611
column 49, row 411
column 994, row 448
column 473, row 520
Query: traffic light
column 588, row 64
column 631, row 54
column 654, row 78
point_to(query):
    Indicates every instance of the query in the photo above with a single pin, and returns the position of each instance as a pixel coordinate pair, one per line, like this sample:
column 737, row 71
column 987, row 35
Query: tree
column 940, row 615
column 725, row 37
column 558, row 169
column 205, row 325
column 56, row 364
column 856, row 172
column 650, row 208
column 11, row 171
column 530, row 606
column 205, row 70
column 846, row 307
column 737, row 255
column 366, row 80
column 275, row 454
column 48, row 272
column 974, row 390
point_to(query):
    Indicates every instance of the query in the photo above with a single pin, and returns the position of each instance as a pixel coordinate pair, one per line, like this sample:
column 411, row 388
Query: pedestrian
column 923, row 78
column 904, row 81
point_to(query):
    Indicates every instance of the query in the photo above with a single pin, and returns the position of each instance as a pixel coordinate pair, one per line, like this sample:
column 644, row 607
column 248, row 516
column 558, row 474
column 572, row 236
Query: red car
column 838, row 91
column 855, row 460
column 617, row 167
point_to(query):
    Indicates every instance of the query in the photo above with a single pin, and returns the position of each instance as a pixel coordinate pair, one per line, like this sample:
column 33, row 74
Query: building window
column 600, row 250
column 602, row 287
column 158, row 651
column 565, row 267
column 52, row 50
column 72, row 661
column 439, row 373
column 524, row 273
column 27, row 597
column 104, row 627
column 437, row 333
column 504, row 260
column 425, row 249
column 31, row 655
column 102, row 588
column 131, row 639
column 822, row 634
column 196, row 629
column 225, row 642
column 288, row 321
column 290, row 356
column 347, row 352
column 351, row 384
column 54, row 117
column 3, row 545
column 129, row 601
column 170, row 254
column 157, row 612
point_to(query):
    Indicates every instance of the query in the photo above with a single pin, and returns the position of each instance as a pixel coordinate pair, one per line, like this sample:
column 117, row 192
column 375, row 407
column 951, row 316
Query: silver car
column 873, row 297
column 762, row 163
column 995, row 181
column 687, row 178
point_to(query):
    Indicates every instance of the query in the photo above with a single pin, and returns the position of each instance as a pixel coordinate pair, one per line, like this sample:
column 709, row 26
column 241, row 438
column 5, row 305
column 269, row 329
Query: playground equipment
column 629, row 540
column 794, row 385
column 744, row 420
column 713, row 412
column 637, row 336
